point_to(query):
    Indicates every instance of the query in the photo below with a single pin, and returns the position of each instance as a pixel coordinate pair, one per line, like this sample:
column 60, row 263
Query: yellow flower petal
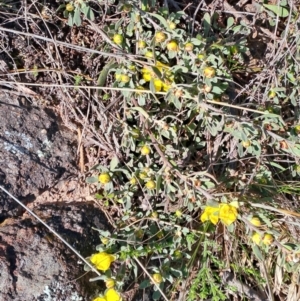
column 102, row 260
column 228, row 214
column 166, row 87
column 256, row 238
column 157, row 84
column 146, row 77
column 112, row 295
column 268, row 239
column 210, row 214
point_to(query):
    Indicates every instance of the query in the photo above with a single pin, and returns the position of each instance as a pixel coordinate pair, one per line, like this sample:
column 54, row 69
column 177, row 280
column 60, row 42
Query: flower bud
column 255, row 221
column 69, row 7
column 172, row 46
column 268, row 239
column 142, row 44
column 104, row 240
column 160, row 37
column 256, row 238
column 209, row 72
column 172, row 25
column 157, row 278
column 118, row 39
column 145, row 150
column 109, row 283
column 189, row 47
column 150, row 185
column 125, row 78
column 104, row 178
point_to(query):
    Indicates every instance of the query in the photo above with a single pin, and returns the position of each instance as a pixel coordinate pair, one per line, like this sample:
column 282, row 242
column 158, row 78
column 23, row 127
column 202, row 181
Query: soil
column 38, row 166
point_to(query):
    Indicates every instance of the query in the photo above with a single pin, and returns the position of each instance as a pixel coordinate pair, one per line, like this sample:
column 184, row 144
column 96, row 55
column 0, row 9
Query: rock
column 36, row 266
column 38, row 166
column 35, row 152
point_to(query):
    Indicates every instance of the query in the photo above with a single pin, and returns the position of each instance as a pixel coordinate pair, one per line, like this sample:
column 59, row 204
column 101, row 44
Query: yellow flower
column 157, row 84
column 227, row 214
column 150, row 185
column 157, row 278
column 209, row 72
column 172, row 46
column 69, row 7
column 142, row 44
column 133, row 181
column 99, row 299
column 110, row 283
column 172, row 25
column 143, row 175
column 246, row 143
column 118, row 76
column 272, row 94
column 148, row 74
column 112, row 295
column 161, row 66
column 104, row 240
column 104, row 178
column 166, row 87
column 178, row 213
column 256, row 238
column 297, row 129
column 210, row 214
column 188, row 47
column 201, row 56
column 124, row 78
column 145, row 150
column 102, row 260
column 118, row 39
column 149, row 55
column 255, row 221
column 160, row 37
column 268, row 239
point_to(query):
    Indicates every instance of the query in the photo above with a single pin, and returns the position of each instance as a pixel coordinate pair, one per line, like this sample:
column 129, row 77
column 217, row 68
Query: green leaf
column 162, row 20
column 91, row 180
column 71, row 20
column 277, row 165
column 146, row 283
column 104, row 72
column 66, row 14
column 158, row 183
column 258, row 253
column 230, row 22
column 152, row 87
column 156, row 71
column 142, row 111
column 89, row 14
column 178, row 68
column 141, row 100
column 156, row 295
column 206, row 23
column 99, row 196
column 196, row 42
column 278, row 10
column 77, row 18
column 114, row 163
